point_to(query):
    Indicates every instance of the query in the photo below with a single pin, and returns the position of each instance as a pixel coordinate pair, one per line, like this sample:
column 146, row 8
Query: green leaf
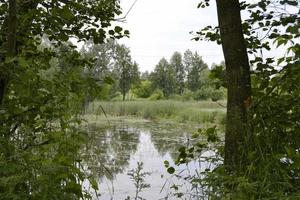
column 118, row 29
column 94, row 184
column 111, row 32
column 166, row 163
column 171, row 170
column 66, row 13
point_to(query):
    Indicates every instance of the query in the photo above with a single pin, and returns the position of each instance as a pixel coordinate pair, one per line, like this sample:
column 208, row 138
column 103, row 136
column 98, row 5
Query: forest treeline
column 185, row 77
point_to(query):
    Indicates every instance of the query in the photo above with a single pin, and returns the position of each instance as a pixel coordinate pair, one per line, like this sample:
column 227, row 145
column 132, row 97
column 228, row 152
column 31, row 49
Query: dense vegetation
column 259, row 158
column 46, row 85
column 44, row 81
column 183, row 77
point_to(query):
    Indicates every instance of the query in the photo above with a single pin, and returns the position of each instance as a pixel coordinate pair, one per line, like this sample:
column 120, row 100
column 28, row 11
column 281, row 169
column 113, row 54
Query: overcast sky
column 160, row 27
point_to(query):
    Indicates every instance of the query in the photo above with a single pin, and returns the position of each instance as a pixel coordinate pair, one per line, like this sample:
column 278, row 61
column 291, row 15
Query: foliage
column 206, row 93
column 196, row 71
column 270, row 167
column 218, row 75
column 164, row 77
column 114, row 69
column 40, row 138
column 101, row 71
column 44, row 90
column 187, row 95
column 182, row 75
column 144, row 89
column 125, row 69
column 157, row 95
column 206, row 148
column 138, row 179
column 177, row 65
column 115, row 72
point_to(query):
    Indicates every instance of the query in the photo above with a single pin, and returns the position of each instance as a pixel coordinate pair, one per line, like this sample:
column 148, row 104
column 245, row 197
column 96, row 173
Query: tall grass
column 201, row 112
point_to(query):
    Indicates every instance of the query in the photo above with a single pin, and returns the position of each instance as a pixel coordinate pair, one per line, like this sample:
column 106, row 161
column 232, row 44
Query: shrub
column 144, row 90
column 157, row 95
column 206, row 93
column 187, row 95
column 203, row 94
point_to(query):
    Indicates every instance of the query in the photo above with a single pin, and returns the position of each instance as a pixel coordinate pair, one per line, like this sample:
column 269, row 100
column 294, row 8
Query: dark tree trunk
column 9, row 28
column 238, row 81
column 124, row 95
column 11, row 45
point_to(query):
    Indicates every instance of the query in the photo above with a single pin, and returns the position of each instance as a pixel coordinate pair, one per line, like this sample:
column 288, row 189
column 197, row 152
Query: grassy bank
column 194, row 111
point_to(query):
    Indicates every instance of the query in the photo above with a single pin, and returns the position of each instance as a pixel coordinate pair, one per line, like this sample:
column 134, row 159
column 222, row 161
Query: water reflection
column 109, row 150
column 114, row 151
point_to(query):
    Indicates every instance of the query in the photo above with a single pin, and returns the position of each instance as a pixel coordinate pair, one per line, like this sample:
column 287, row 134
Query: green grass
column 180, row 111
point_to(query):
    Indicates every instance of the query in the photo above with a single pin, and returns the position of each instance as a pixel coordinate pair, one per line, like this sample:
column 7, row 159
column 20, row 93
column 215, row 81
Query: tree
column 145, row 75
column 144, row 89
column 102, row 56
column 41, row 93
column 11, row 46
column 176, row 63
column 60, row 20
column 164, row 77
column 126, row 69
column 238, row 80
column 266, row 138
column 197, row 70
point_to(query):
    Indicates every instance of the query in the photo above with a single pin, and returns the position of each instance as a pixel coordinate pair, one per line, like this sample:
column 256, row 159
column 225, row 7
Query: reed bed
column 181, row 111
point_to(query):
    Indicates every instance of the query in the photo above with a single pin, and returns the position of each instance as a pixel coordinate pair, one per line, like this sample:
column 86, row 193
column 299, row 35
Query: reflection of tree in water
column 108, row 150
column 168, row 139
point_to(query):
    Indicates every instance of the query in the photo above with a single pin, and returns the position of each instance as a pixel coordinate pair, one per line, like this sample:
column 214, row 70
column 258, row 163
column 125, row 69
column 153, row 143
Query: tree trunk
column 124, row 95
column 11, row 45
column 238, row 81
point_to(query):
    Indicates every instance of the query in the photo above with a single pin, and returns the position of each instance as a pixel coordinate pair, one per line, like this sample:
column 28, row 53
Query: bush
column 176, row 97
column 144, row 90
column 117, row 96
column 187, row 95
column 217, row 95
column 157, row 95
column 206, row 93
column 203, row 94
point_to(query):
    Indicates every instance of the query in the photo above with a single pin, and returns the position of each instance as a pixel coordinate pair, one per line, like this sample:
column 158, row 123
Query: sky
column 158, row 28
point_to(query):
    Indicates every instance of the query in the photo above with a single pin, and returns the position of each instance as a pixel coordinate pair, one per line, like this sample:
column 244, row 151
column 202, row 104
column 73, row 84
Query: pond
column 115, row 150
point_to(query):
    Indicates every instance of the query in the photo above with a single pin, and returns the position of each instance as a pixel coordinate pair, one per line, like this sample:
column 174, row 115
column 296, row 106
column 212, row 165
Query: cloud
column 160, row 27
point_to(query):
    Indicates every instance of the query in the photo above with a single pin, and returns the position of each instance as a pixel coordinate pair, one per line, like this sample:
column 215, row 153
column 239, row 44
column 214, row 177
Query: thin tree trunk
column 124, row 94
column 238, row 81
column 11, row 45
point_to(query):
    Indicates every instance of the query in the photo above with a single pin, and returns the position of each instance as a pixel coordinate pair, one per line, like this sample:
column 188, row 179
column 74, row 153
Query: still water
column 115, row 150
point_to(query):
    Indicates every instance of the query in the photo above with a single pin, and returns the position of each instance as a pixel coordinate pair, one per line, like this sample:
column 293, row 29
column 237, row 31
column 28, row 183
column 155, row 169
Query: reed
column 181, row 111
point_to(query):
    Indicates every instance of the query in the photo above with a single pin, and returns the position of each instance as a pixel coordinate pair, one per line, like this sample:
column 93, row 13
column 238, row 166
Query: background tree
column 144, row 89
column 197, row 70
column 176, row 63
column 102, row 56
column 164, row 77
column 126, row 70
column 188, row 63
column 145, row 75
column 60, row 20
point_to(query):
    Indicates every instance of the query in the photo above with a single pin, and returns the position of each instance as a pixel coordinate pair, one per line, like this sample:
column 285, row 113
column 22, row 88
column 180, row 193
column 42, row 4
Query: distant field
column 194, row 111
